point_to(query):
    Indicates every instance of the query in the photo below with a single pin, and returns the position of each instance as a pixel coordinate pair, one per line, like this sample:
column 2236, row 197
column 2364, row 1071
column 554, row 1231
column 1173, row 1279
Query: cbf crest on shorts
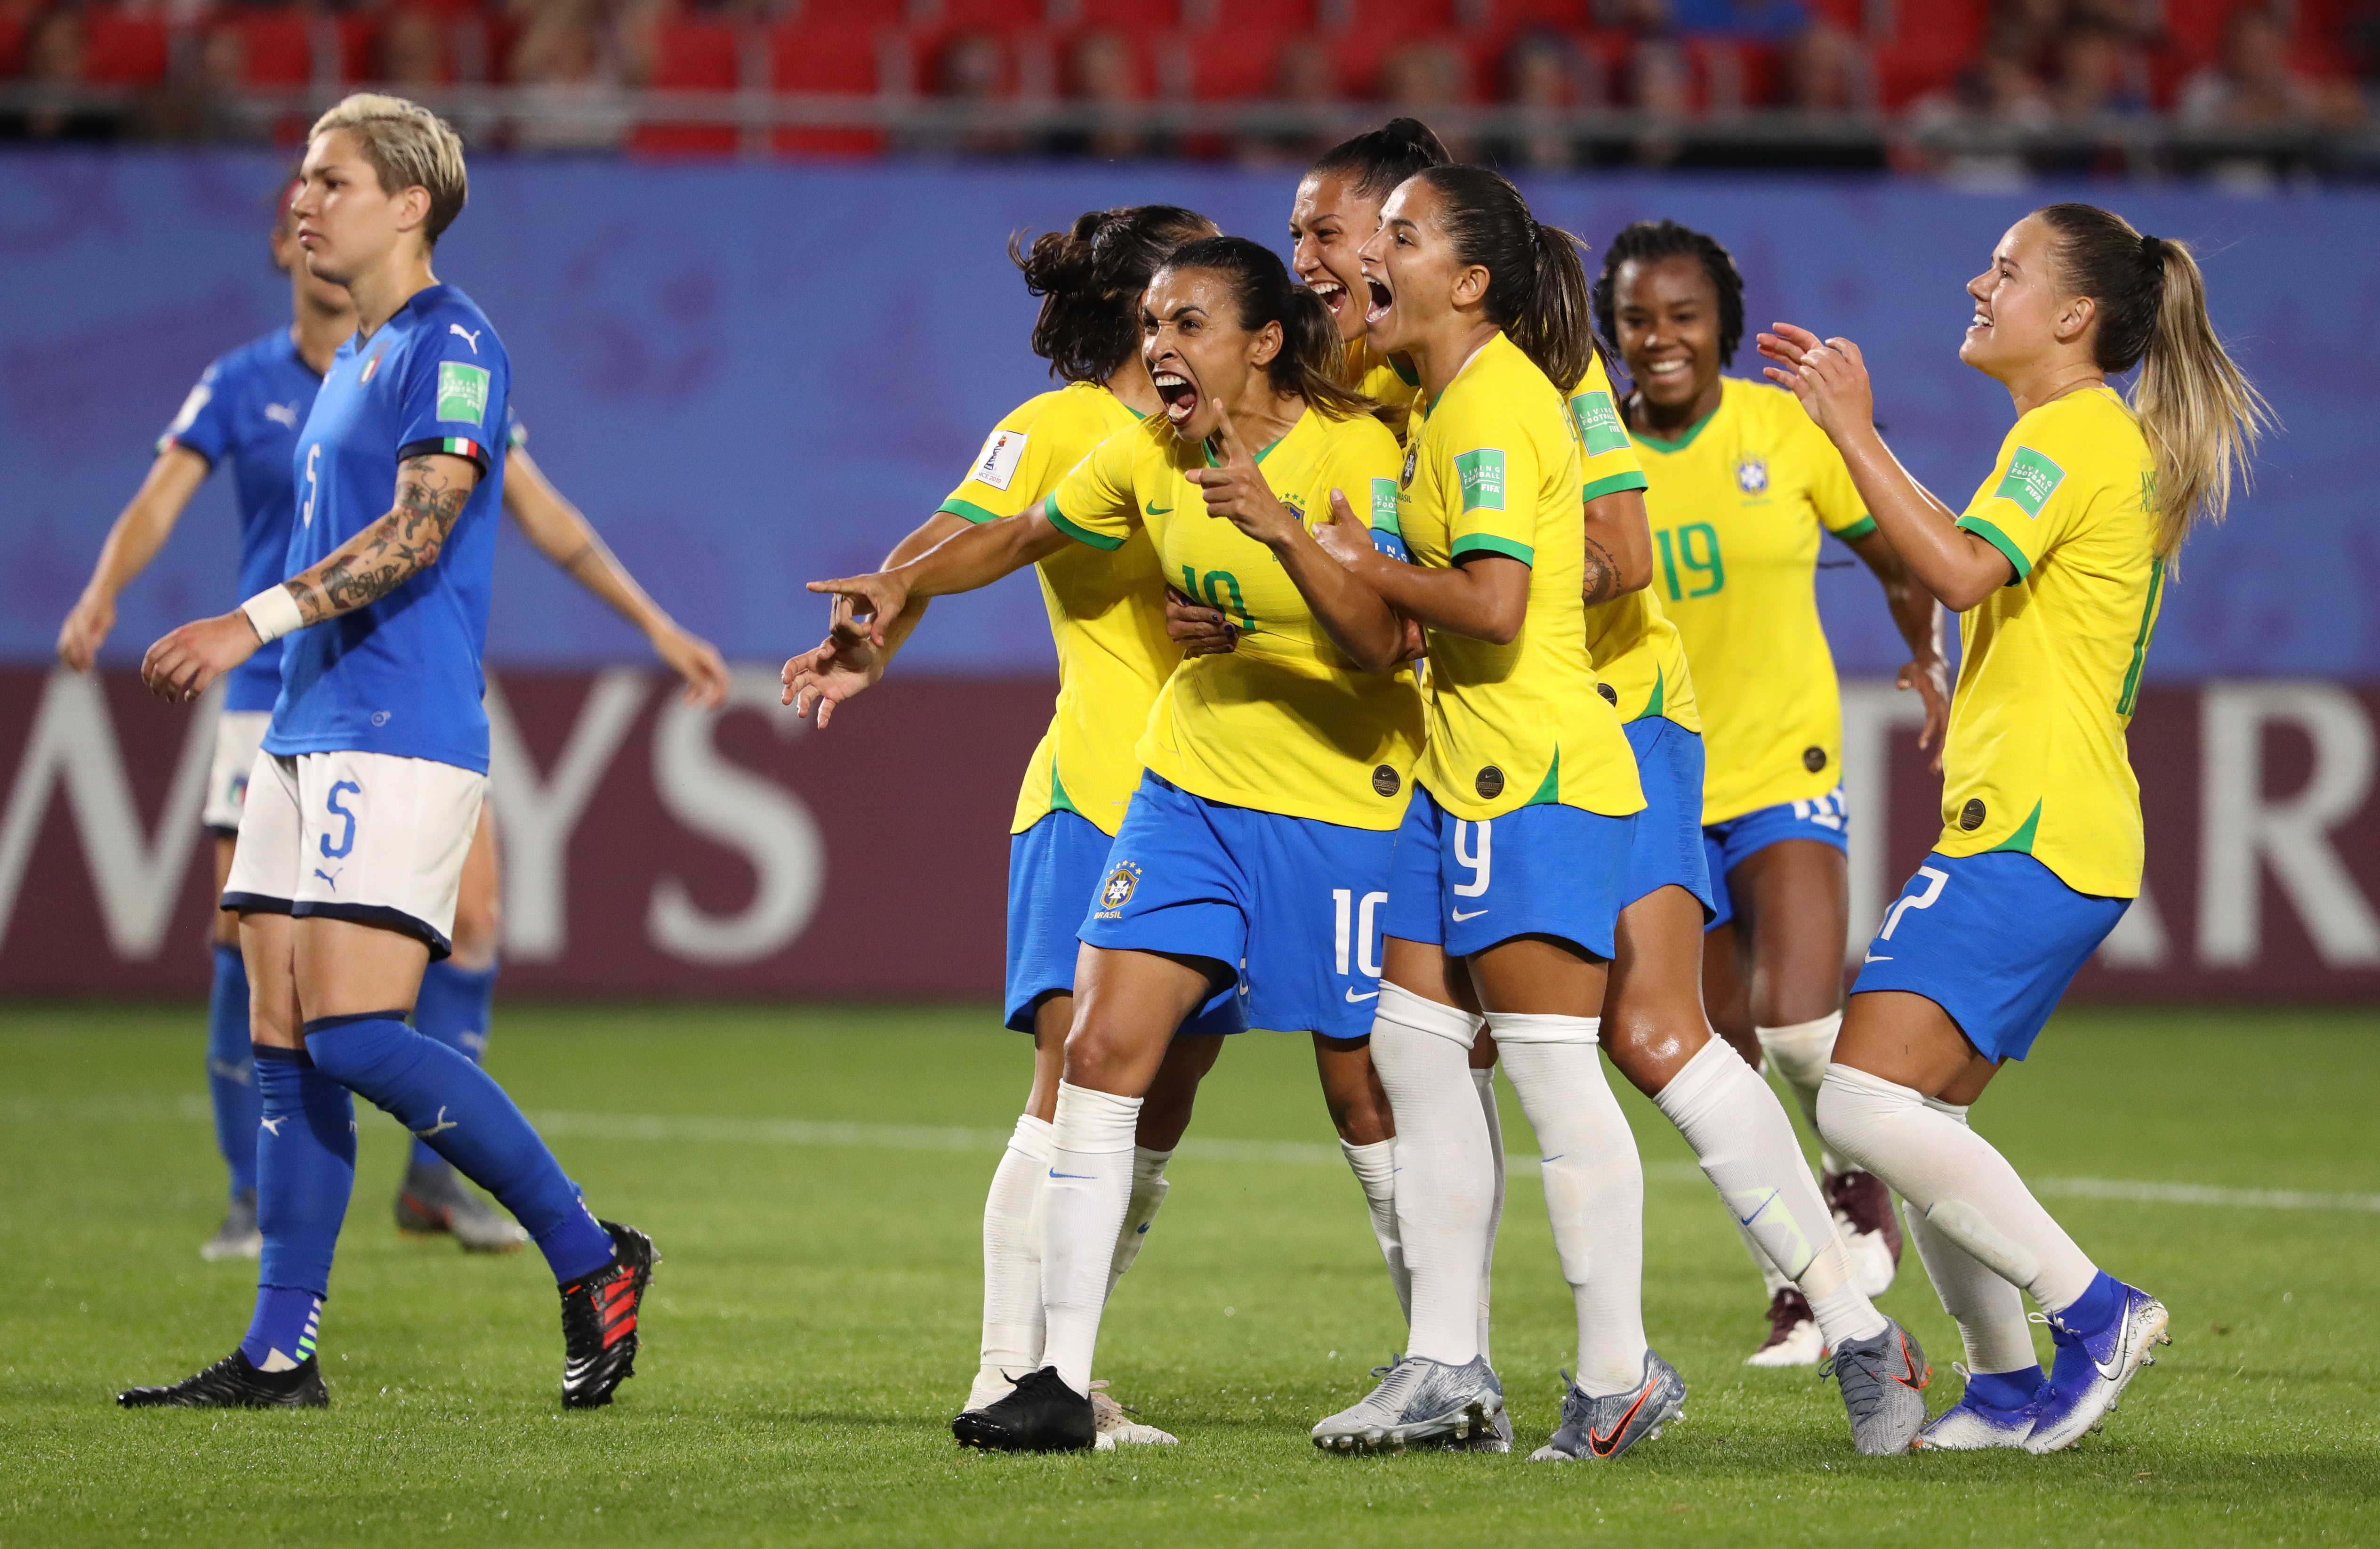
column 1116, row 891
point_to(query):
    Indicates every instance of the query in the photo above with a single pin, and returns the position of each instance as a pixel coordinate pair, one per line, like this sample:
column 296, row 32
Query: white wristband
column 272, row 613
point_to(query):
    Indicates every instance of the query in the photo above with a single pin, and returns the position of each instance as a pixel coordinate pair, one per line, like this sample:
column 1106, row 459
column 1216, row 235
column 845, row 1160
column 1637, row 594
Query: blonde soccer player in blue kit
column 2057, row 567
column 1258, row 844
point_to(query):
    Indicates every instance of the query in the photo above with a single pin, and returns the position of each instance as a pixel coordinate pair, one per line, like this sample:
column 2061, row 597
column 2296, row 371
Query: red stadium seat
column 278, row 46
column 121, row 49
column 1927, row 53
column 693, row 57
column 12, row 45
column 855, row 59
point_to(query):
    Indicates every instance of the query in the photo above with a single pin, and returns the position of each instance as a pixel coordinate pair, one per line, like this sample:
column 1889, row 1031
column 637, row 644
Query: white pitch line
column 832, row 1134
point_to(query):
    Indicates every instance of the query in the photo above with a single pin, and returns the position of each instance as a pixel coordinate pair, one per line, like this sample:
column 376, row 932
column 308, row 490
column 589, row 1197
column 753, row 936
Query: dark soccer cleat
column 234, row 1384
column 1869, row 1231
column 1793, row 1338
column 434, row 1201
column 1039, row 1414
column 599, row 1321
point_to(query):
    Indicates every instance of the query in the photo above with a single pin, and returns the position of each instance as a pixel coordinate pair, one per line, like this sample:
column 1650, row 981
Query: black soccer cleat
column 234, row 1384
column 599, row 1321
column 1039, row 1414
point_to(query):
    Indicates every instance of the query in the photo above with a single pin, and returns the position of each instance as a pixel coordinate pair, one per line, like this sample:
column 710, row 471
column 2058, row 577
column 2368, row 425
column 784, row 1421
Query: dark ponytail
column 1378, row 160
column 1090, row 280
column 1311, row 355
column 1651, row 241
column 1536, row 283
column 2200, row 412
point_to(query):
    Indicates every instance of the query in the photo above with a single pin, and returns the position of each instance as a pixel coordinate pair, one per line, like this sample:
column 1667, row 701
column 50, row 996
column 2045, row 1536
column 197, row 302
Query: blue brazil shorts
column 1729, row 844
column 1540, row 871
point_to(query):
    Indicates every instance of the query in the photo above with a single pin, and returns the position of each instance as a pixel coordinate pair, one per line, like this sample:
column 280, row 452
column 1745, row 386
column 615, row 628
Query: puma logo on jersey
column 282, row 414
column 443, row 1125
column 468, row 338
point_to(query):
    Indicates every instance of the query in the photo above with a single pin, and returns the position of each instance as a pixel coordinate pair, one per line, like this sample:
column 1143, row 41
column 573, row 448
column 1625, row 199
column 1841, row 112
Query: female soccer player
column 1745, row 488
column 1258, row 844
column 2056, row 566
column 363, row 802
column 246, row 409
column 1107, row 620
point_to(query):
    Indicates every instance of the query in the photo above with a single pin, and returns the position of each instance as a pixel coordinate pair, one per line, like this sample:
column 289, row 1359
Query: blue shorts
column 1053, row 868
column 1669, row 849
column 1729, row 844
column 1992, row 939
column 1540, row 871
column 1293, row 904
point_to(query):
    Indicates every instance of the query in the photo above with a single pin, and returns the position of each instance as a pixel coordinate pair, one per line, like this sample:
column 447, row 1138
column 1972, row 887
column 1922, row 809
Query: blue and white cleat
column 2093, row 1367
column 1418, row 1400
column 1975, row 1425
column 1603, row 1428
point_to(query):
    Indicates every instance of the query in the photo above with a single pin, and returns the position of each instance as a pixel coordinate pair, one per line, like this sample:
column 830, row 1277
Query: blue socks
column 2100, row 1304
column 2006, row 1390
column 231, row 1073
column 306, row 1158
column 466, row 1118
column 455, row 1007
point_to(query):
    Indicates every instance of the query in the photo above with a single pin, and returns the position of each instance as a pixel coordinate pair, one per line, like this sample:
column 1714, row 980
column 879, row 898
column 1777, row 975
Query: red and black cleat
column 1862, row 1200
column 599, row 1321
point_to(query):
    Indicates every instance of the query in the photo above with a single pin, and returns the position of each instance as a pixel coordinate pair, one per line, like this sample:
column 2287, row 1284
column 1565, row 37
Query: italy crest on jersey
column 1751, row 475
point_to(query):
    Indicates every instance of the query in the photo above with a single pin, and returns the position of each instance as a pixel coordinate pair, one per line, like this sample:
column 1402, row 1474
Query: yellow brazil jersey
column 1738, row 507
column 1106, row 612
column 2050, row 664
column 1635, row 648
column 1493, row 468
column 1284, row 723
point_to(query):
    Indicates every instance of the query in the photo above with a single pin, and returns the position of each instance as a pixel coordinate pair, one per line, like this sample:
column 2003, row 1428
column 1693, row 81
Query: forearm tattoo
column 390, row 552
column 1602, row 573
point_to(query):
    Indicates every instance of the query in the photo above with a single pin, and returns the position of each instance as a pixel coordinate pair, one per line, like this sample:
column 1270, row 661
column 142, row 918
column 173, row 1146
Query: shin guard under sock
column 306, row 1170
column 456, row 1006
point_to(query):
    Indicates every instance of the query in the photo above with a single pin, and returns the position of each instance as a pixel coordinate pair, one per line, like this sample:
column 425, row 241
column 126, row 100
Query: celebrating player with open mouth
column 362, row 805
column 2056, row 566
column 1258, row 844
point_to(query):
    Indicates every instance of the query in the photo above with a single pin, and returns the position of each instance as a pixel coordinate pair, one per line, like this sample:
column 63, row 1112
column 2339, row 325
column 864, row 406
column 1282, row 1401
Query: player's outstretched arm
column 1619, row 546
column 1831, row 378
column 1919, row 618
column 966, row 562
column 432, row 489
column 562, row 532
column 141, row 529
column 847, row 663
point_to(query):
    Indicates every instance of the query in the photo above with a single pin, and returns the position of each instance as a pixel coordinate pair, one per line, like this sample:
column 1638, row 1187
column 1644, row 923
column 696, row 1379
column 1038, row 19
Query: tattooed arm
column 1619, row 546
column 432, row 489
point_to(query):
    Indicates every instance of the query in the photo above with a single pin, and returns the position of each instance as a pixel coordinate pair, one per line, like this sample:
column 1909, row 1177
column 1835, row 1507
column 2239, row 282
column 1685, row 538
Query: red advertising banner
column 651, row 848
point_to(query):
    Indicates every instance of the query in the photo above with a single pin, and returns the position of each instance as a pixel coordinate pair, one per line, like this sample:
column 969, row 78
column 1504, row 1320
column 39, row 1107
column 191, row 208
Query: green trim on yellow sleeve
column 2129, row 698
column 965, row 511
column 1488, row 542
column 1857, row 529
column 1080, row 534
column 1631, row 479
column 2001, row 541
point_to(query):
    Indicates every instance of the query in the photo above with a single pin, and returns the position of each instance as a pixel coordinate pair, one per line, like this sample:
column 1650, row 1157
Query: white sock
column 1485, row 1082
column 1148, row 1190
column 1082, row 1202
column 1748, row 1150
column 1800, row 1054
column 1989, row 1310
column 1445, row 1180
column 1965, row 1189
column 1595, row 1188
column 1012, row 1262
column 1375, row 1168
column 1771, row 1279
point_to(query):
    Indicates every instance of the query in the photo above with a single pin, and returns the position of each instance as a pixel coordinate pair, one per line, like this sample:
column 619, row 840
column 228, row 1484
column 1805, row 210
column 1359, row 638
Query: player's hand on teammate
column 696, row 660
column 1345, row 537
column 1237, row 492
column 180, row 666
column 1198, row 629
column 1829, row 375
column 1930, row 679
column 85, row 630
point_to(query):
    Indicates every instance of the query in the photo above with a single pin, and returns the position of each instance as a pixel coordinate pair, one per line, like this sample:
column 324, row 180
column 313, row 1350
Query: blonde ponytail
column 2201, row 414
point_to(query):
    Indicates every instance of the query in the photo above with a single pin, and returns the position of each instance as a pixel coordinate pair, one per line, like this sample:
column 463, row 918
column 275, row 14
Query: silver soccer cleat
column 1603, row 1428
column 237, row 1237
column 1882, row 1378
column 1117, row 1426
column 1418, row 1400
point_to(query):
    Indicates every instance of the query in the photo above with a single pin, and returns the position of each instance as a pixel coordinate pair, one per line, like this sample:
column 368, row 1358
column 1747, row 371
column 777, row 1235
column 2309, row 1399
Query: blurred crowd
column 1977, row 91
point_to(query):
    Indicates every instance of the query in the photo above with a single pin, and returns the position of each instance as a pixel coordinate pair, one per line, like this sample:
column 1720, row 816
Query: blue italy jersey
column 247, row 409
column 401, row 675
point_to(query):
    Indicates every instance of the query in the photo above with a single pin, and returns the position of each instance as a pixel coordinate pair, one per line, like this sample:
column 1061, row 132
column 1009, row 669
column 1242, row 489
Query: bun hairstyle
column 1649, row 242
column 1089, row 278
column 1311, row 355
column 1378, row 160
column 1536, row 284
column 2199, row 410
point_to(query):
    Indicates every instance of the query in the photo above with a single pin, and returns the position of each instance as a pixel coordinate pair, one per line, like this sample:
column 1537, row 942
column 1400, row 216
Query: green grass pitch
column 815, row 1322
